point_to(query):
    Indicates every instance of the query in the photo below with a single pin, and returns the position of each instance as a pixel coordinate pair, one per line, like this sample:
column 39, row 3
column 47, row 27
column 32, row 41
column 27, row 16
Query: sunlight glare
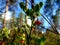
column 8, row 15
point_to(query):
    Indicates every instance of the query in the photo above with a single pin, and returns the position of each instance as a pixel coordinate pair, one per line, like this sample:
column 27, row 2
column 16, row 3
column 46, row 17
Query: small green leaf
column 41, row 4
column 37, row 8
column 38, row 13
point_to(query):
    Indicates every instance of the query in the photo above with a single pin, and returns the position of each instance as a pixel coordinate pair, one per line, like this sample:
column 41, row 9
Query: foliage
column 16, row 37
column 30, row 11
column 52, row 39
column 26, row 35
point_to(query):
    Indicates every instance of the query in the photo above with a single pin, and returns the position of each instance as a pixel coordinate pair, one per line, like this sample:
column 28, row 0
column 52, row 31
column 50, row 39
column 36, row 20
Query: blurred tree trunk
column 26, row 4
column 13, row 19
column 32, row 4
column 27, row 37
column 4, row 20
column 56, row 19
column 8, row 2
column 26, row 9
column 21, row 19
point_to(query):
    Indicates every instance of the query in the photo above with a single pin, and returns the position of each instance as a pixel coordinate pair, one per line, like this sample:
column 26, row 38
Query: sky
column 18, row 10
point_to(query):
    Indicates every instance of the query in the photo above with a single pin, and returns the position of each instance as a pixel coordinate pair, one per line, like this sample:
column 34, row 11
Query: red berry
column 22, row 41
column 38, row 22
column 0, row 42
column 3, row 43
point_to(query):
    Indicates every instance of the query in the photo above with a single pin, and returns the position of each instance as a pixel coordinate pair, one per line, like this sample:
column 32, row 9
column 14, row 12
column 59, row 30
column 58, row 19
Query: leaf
column 6, row 31
column 41, row 4
column 37, row 8
column 29, row 12
column 42, row 43
column 38, row 13
column 22, row 4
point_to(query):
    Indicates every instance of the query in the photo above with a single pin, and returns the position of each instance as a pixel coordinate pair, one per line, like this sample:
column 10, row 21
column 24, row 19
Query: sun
column 8, row 15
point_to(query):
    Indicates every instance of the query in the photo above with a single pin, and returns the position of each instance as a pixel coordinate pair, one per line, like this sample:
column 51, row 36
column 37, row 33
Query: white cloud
column 8, row 15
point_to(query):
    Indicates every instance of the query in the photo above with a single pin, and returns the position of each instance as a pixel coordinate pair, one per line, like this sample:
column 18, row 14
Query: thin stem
column 54, row 28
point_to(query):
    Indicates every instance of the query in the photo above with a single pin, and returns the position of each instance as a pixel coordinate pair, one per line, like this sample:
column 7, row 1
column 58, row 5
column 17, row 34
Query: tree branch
column 54, row 28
